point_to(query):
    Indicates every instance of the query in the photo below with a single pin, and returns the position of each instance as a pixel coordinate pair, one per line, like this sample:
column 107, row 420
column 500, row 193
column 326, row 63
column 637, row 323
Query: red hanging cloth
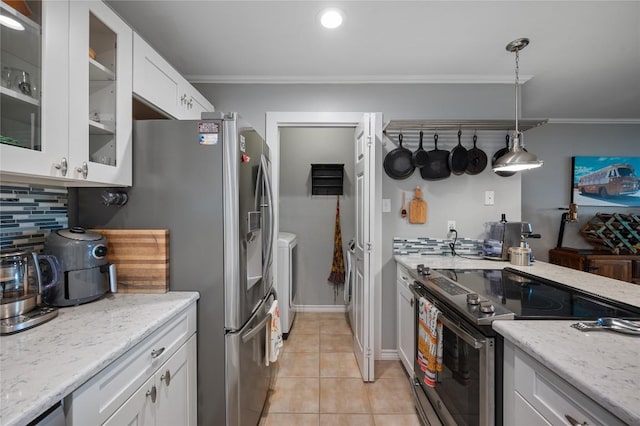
column 337, row 268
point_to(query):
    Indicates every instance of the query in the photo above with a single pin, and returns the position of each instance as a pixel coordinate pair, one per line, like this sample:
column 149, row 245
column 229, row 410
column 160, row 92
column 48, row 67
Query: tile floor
column 318, row 382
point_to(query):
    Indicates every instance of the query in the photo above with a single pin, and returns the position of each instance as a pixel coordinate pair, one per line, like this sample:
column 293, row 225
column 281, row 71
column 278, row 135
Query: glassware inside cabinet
column 21, row 66
column 102, row 92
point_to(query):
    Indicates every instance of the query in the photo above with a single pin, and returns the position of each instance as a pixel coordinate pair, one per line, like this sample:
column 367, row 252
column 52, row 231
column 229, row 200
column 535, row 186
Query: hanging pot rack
column 448, row 130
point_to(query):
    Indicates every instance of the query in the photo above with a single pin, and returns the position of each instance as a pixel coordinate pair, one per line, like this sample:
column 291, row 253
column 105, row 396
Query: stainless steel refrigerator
column 208, row 182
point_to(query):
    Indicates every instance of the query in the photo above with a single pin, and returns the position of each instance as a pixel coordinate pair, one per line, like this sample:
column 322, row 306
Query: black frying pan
column 398, row 164
column 420, row 157
column 499, row 154
column 477, row 159
column 438, row 166
column 458, row 158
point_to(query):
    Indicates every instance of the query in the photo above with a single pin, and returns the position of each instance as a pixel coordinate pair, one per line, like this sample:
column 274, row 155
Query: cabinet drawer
column 554, row 398
column 403, row 275
column 97, row 399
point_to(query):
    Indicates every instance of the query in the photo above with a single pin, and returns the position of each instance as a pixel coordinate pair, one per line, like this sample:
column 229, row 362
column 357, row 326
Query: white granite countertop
column 603, row 365
column 40, row 366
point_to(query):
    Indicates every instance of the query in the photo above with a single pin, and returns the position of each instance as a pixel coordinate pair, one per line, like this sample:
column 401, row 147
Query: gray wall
column 458, row 198
column 543, row 193
column 312, row 218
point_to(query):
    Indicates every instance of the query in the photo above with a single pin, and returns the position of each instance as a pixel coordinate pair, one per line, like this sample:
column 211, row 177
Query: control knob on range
column 473, row 299
column 487, row 307
column 423, row 270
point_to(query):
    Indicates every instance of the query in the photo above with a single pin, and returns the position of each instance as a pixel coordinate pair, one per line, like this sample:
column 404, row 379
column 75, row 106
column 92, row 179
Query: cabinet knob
column 190, row 103
column 84, row 170
column 166, row 377
column 153, row 393
column 63, row 166
column 183, row 98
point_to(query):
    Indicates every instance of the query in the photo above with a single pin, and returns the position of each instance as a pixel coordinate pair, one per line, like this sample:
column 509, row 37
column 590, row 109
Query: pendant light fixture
column 517, row 158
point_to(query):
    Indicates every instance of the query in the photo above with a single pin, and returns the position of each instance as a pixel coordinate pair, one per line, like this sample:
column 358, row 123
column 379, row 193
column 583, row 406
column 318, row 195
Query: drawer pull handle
column 574, row 422
column 157, row 352
column 411, row 302
column 166, row 377
column 153, row 393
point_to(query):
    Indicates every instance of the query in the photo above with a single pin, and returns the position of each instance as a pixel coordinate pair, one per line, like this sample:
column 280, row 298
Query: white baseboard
column 389, row 355
column 320, row 308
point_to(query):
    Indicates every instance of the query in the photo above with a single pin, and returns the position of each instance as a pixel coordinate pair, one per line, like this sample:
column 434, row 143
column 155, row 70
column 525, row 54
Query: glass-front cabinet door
column 100, row 74
column 34, row 78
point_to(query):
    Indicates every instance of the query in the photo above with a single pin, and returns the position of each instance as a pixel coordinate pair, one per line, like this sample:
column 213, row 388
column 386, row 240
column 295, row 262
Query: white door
column 363, row 291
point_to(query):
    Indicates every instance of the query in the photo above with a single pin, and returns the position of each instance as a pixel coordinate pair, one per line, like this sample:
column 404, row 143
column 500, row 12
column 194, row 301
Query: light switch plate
column 386, row 205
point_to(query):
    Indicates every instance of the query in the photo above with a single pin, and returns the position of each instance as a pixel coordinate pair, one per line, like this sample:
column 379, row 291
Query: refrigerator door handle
column 267, row 181
column 251, row 333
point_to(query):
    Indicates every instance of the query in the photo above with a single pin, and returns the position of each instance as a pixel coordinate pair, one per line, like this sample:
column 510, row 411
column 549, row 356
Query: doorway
column 367, row 139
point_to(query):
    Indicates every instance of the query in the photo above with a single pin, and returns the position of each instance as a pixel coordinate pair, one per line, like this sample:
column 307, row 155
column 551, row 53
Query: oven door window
column 458, row 383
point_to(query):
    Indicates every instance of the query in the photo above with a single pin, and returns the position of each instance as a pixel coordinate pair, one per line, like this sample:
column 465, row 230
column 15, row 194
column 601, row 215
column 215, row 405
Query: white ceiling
column 583, row 60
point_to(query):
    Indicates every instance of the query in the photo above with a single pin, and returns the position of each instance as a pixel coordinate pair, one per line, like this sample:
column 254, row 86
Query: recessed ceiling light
column 331, row 18
column 11, row 23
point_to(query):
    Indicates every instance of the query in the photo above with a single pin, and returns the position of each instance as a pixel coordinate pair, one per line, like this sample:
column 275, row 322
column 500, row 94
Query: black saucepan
column 438, row 166
column 420, row 156
column 398, row 164
column 499, row 154
column 458, row 158
column 477, row 159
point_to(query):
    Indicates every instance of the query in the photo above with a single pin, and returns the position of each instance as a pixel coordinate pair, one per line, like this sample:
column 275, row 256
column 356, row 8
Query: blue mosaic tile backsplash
column 424, row 246
column 28, row 213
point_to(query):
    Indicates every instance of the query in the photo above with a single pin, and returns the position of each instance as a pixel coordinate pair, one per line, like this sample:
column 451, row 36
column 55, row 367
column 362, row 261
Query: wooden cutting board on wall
column 141, row 257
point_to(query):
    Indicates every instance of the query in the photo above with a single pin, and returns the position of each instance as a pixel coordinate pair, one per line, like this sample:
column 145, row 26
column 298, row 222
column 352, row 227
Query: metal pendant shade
column 517, row 159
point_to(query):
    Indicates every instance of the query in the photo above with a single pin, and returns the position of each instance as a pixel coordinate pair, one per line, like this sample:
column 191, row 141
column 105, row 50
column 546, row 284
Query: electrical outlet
column 489, row 198
column 386, row 205
column 451, row 224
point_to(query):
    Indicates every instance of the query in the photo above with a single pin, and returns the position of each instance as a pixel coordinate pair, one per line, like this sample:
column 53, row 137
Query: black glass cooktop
column 530, row 297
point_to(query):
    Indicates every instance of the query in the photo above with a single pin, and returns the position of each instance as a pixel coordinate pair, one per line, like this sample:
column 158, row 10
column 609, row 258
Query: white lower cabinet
column 154, row 383
column 167, row 398
column 534, row 395
column 405, row 319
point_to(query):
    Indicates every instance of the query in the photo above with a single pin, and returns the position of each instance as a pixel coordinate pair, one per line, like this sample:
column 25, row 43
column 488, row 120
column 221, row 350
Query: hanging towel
column 337, row 268
column 429, row 342
column 274, row 335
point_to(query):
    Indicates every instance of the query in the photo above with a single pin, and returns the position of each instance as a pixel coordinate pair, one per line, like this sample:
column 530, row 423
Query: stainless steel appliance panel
column 206, row 196
column 248, row 379
column 464, row 390
column 177, row 185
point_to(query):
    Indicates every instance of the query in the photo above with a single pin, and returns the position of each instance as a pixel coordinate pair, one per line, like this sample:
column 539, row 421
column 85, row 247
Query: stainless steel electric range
column 468, row 390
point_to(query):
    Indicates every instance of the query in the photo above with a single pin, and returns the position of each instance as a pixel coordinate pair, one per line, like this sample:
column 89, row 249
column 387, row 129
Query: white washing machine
column 287, row 283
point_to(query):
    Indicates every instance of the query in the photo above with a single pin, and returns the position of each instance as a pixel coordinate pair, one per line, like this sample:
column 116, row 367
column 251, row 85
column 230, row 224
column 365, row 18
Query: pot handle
column 53, row 261
column 113, row 281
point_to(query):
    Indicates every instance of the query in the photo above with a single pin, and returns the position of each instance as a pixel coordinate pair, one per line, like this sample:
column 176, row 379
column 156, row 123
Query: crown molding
column 357, row 79
column 593, row 121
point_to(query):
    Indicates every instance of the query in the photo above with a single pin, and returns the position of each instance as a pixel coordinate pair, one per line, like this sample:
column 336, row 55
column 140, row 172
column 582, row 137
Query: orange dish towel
column 429, row 342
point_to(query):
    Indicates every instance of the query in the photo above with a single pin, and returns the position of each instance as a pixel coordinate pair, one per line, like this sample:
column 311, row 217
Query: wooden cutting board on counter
column 141, row 257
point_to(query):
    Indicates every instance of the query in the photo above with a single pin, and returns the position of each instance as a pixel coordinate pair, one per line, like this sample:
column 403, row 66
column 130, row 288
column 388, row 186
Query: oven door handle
column 464, row 335
column 471, row 340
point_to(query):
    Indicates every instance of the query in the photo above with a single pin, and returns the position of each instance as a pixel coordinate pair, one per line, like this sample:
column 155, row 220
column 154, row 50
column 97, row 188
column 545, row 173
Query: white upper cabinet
column 34, row 90
column 158, row 84
column 100, row 111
